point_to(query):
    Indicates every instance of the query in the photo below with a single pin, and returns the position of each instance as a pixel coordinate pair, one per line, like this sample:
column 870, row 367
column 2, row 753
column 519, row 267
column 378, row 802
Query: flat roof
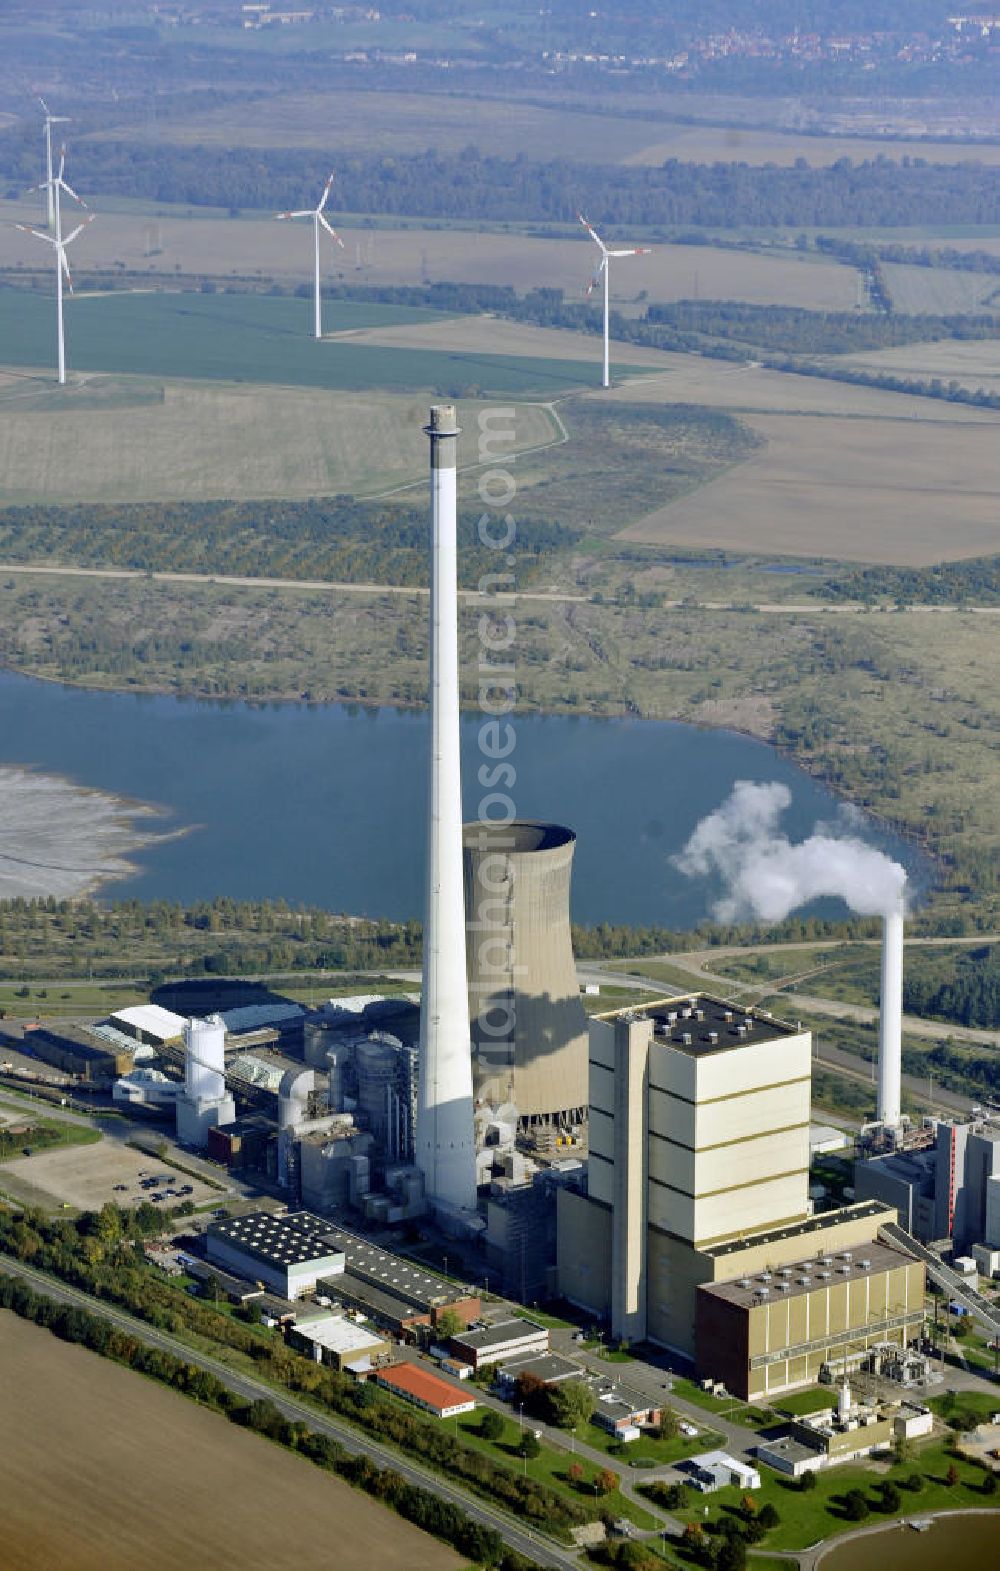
column 824, row 1132
column 786, row 1446
column 629, row 1401
column 412, row 1381
column 338, row 1334
column 500, row 1332
column 354, row 1289
column 811, row 1224
column 380, row 1267
column 549, row 1367
column 273, row 1239
column 804, row 1276
column 700, row 1024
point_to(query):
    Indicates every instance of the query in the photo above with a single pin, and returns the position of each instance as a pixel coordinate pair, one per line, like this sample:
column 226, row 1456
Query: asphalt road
column 534, row 1545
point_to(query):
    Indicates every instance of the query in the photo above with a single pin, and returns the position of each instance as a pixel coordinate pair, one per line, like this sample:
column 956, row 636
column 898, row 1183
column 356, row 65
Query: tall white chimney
column 890, row 1030
column 445, row 1143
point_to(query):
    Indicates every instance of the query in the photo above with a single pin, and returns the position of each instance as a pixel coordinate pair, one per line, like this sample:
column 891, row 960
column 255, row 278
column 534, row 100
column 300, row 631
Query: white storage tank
column 205, row 1059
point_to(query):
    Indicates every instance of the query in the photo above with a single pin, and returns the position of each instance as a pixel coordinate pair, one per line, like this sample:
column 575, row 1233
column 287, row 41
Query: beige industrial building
column 529, row 1027
column 778, row 1327
column 698, row 1176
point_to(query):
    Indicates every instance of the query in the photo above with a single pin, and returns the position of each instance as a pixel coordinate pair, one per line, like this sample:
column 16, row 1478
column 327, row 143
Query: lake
column 325, row 805
column 953, row 1540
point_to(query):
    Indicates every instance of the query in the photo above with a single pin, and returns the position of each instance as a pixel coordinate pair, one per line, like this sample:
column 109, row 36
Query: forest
column 242, row 937
column 966, row 990
column 468, row 185
column 335, row 538
column 976, row 579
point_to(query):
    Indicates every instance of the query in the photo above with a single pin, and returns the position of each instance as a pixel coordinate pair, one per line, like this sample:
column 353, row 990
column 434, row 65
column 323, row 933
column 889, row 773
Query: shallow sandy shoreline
column 62, row 839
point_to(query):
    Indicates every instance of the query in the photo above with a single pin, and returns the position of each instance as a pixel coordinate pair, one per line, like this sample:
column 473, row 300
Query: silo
column 529, row 1029
column 205, row 1059
column 377, row 1062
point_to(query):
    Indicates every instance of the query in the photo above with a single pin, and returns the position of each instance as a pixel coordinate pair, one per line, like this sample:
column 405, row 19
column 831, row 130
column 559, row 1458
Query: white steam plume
column 766, row 876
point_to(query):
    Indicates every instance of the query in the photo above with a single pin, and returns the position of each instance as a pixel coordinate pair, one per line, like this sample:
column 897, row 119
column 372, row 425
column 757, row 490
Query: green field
column 259, row 338
column 808, row 1517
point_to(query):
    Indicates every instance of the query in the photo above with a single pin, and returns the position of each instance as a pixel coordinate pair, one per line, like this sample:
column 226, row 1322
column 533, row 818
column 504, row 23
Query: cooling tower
column 890, row 1029
column 529, row 1029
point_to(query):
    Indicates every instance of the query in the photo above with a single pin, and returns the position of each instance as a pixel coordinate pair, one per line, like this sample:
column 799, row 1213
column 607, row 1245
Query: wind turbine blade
column 591, row 231
column 78, row 230
column 60, row 119
column 39, row 234
column 636, row 250
column 70, row 192
column 44, row 105
column 326, row 195
column 62, row 163
column 304, row 212
column 330, row 229
column 65, row 268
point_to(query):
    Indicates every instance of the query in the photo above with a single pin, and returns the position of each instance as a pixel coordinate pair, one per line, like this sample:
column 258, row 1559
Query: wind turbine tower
column 320, row 220
column 602, row 273
column 50, row 121
column 59, row 242
column 445, row 1143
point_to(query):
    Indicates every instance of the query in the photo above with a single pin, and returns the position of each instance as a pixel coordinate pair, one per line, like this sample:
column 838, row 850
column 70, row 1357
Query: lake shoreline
column 271, row 783
column 730, row 726
column 62, row 818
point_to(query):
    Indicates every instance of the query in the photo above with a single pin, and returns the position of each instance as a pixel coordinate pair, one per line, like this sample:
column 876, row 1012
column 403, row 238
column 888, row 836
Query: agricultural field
column 367, row 123
column 905, row 492
column 259, row 339
column 940, row 291
column 106, row 1471
column 972, row 364
column 194, row 441
column 256, row 247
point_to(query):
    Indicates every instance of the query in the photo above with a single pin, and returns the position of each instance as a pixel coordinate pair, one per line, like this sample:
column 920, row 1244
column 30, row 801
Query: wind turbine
column 50, row 121
column 55, row 186
column 602, row 272
column 319, row 218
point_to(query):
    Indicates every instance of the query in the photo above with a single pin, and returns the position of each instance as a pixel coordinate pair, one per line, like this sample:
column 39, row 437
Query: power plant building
column 698, row 1176
column 948, row 1188
column 529, row 1028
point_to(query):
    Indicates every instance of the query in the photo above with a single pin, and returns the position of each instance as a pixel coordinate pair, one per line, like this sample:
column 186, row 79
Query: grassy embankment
column 808, row 1516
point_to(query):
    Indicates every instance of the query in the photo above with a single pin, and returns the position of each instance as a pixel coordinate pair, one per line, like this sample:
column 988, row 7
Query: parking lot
column 86, row 1176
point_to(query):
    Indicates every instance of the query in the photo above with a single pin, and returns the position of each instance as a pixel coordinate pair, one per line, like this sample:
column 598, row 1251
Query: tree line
column 977, row 579
column 472, row 183
column 336, row 538
column 99, row 1253
column 413, row 1502
column 968, row 994
column 233, row 937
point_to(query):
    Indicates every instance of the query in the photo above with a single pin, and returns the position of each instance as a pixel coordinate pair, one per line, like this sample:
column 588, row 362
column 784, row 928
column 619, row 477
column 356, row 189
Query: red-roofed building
column 425, row 1390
